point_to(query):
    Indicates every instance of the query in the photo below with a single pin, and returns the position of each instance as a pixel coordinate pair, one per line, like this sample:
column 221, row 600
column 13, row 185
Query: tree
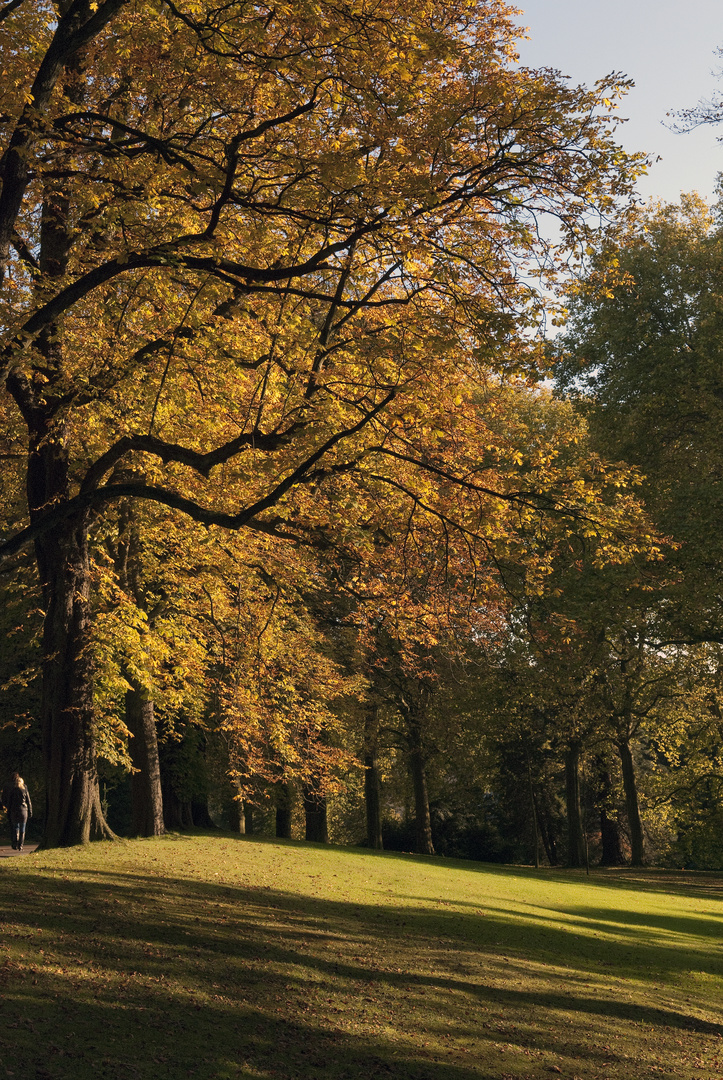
column 642, row 359
column 232, row 242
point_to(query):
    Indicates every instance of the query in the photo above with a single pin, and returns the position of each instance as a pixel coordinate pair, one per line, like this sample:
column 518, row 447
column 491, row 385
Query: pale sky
column 668, row 48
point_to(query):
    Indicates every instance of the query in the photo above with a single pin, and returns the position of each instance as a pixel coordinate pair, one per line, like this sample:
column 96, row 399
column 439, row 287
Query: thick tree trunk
column 418, row 772
column 146, row 794
column 612, row 852
column 315, row 809
column 283, row 811
column 200, row 813
column 632, row 806
column 73, row 813
column 372, row 792
column 575, row 835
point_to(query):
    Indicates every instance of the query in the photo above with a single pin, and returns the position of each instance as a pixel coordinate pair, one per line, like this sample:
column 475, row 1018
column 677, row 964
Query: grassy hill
column 225, row 957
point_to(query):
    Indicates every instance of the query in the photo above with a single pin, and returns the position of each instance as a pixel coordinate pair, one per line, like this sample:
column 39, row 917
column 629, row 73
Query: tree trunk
column 575, row 836
column 632, row 806
column 283, row 811
column 146, row 795
column 372, row 794
column 418, row 771
column 533, row 812
column 73, row 813
column 200, row 814
column 315, row 809
column 612, row 852
column 549, row 840
column 177, row 810
column 235, row 814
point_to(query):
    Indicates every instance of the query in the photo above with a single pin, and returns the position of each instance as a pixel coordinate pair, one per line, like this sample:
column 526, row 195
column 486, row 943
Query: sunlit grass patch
column 212, row 956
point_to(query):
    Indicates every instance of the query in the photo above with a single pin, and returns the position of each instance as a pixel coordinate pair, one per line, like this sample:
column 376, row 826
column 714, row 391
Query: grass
column 225, row 957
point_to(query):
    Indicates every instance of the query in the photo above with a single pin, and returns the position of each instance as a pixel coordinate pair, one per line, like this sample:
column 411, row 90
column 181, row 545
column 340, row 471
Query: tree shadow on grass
column 169, row 977
column 693, row 883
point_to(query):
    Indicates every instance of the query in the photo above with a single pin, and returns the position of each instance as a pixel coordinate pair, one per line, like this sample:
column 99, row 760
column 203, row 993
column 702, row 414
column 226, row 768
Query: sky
column 668, row 47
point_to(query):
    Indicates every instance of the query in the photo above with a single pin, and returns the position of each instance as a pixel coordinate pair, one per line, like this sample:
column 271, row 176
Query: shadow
column 154, row 976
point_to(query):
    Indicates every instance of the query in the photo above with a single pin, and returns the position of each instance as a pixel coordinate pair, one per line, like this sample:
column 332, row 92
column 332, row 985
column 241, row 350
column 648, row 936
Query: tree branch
column 96, row 497
column 79, row 25
column 202, row 463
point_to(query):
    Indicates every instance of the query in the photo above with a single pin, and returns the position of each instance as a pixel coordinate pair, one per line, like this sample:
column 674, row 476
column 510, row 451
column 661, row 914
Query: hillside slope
column 225, row 957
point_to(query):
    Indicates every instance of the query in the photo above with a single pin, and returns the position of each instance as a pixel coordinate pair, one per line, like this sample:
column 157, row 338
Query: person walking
column 16, row 800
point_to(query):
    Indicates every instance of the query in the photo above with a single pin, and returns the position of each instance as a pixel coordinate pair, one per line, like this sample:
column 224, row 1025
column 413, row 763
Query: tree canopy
column 260, row 266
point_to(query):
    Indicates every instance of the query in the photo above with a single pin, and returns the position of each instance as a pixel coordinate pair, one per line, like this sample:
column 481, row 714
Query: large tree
column 642, row 359
column 233, row 241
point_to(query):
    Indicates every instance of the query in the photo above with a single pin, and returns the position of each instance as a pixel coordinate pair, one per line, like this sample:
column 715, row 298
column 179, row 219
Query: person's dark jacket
column 16, row 801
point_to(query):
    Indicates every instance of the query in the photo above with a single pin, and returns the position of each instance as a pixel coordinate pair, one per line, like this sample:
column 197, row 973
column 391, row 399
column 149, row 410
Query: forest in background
column 308, row 525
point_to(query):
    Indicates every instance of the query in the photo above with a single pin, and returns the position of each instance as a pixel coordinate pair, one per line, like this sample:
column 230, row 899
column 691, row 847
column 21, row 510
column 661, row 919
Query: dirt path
column 6, row 851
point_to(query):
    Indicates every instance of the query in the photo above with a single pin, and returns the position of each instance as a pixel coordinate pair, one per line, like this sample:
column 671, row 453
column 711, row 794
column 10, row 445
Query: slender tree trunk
column 236, row 816
column 632, row 806
column 575, row 836
column 248, row 816
column 283, row 811
column 146, row 789
column 315, row 809
column 612, row 852
column 418, row 771
column 548, row 838
column 372, row 794
column 533, row 811
column 146, row 795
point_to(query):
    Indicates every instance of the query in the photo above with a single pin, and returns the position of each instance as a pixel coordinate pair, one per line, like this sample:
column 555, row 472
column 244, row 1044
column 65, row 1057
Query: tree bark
column 372, row 793
column 575, row 835
column 146, row 795
column 533, row 812
column 315, row 809
column 632, row 806
column 236, row 816
column 73, row 813
column 549, row 840
column 283, row 811
column 418, row 771
column 612, row 852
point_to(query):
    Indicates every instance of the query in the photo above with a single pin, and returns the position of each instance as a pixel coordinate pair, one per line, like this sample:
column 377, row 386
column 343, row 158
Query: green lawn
column 225, row 957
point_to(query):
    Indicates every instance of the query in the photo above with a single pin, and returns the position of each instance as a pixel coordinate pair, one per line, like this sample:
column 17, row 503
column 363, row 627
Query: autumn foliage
column 269, row 294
